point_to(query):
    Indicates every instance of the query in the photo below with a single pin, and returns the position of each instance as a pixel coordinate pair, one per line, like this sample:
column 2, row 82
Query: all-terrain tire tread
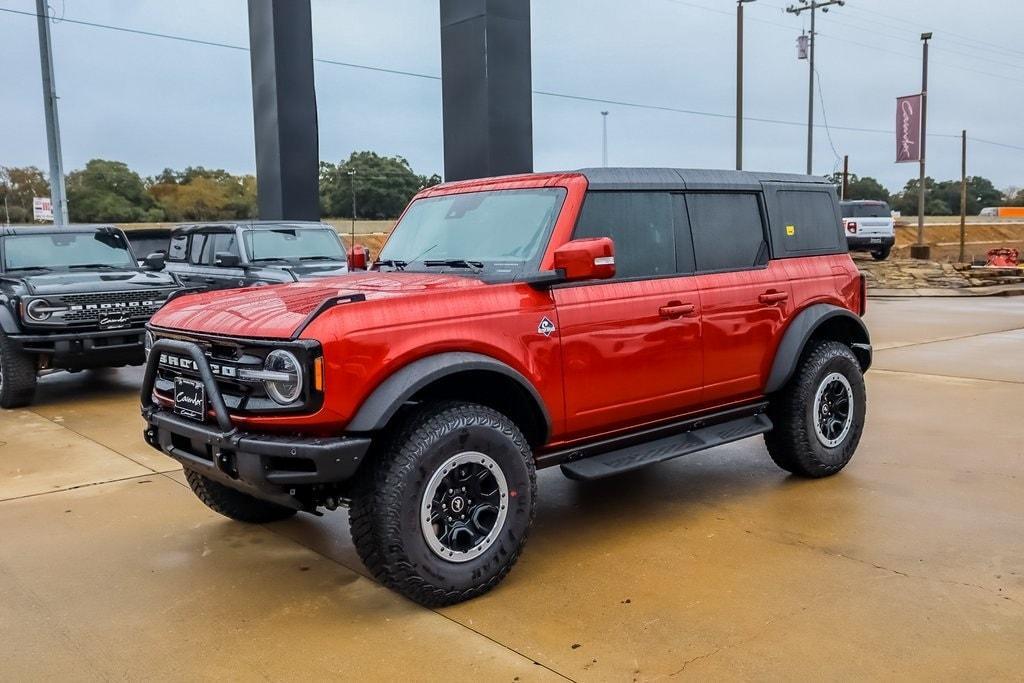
column 374, row 517
column 235, row 504
column 19, row 380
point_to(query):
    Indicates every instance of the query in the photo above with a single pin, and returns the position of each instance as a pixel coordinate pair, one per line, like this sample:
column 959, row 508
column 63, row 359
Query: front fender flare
column 386, row 399
column 795, row 339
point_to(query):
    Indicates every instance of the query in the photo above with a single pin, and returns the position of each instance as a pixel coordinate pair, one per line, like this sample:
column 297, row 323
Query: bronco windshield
column 294, row 244
column 501, row 231
column 58, row 250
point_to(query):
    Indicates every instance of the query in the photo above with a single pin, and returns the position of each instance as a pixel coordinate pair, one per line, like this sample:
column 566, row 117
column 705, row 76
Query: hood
column 276, row 311
column 87, row 281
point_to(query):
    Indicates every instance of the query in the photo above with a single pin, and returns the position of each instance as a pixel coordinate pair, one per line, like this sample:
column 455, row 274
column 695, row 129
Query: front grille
column 95, row 306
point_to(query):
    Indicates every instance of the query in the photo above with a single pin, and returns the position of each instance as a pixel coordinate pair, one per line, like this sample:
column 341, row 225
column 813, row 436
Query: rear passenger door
column 631, row 346
column 745, row 296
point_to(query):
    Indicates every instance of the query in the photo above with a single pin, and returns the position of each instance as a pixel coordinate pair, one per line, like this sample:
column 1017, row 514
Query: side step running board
column 660, row 450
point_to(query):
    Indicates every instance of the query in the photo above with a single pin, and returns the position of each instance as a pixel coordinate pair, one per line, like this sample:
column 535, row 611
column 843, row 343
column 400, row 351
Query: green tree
column 109, row 192
column 860, row 188
column 17, row 187
column 383, row 186
column 943, row 198
column 200, row 194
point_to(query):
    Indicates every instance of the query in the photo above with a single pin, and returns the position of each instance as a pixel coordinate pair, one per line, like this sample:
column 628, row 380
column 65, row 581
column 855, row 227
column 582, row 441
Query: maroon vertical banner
column 908, row 128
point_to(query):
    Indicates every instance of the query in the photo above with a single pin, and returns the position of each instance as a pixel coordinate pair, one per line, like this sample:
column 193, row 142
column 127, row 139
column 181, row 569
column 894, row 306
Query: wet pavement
column 908, row 564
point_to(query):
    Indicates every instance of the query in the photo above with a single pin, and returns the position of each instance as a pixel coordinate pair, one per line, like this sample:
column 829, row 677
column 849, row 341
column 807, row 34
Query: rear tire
column 818, row 416
column 881, row 254
column 235, row 504
column 17, row 375
column 442, row 513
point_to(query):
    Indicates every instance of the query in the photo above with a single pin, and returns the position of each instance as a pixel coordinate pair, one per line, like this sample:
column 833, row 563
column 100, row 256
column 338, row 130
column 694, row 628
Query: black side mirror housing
column 225, row 259
column 154, row 261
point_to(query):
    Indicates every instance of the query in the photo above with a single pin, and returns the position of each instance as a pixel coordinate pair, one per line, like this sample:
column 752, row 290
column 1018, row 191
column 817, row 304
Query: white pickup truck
column 869, row 227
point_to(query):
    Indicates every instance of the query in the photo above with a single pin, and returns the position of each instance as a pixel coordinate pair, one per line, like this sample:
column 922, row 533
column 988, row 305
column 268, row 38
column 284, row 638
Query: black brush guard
column 267, row 466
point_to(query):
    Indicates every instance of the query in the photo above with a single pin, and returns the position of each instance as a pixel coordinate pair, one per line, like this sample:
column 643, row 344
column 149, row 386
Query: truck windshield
column 104, row 248
column 294, row 244
column 502, row 230
column 879, row 210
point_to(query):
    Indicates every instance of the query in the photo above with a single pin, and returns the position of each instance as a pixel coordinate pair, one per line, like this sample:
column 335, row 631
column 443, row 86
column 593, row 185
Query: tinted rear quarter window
column 728, row 231
column 640, row 224
column 806, row 223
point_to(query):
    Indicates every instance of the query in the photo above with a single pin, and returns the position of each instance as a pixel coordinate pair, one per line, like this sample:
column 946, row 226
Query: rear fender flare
column 800, row 331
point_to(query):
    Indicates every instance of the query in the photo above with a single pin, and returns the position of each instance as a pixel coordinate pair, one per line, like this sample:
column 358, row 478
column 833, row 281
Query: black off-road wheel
column 17, row 375
column 442, row 512
column 235, row 504
column 881, row 254
column 819, row 414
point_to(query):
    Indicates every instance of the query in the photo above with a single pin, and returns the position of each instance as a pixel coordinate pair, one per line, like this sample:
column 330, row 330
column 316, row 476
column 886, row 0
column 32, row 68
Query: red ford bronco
column 601, row 320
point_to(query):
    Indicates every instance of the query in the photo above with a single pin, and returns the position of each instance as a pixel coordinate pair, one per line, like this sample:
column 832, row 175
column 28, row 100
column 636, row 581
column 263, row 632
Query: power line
column 543, row 93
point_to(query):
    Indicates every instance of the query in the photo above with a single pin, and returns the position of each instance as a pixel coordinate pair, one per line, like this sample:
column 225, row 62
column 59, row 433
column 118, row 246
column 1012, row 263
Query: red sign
column 908, row 128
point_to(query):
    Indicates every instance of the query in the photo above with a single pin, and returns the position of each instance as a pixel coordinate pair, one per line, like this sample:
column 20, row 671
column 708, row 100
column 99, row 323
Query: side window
column 728, row 231
column 199, row 241
column 220, row 244
column 640, row 224
column 806, row 222
column 178, row 248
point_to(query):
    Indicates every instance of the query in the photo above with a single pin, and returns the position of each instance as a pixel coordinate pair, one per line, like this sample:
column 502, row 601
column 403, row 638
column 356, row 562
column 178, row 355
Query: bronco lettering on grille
column 187, row 364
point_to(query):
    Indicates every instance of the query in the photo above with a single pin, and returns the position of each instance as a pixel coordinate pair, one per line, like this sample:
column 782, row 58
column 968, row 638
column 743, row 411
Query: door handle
column 771, row 297
column 210, row 280
column 676, row 309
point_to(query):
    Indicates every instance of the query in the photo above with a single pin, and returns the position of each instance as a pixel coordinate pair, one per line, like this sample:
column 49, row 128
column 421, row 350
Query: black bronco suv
column 71, row 298
column 223, row 255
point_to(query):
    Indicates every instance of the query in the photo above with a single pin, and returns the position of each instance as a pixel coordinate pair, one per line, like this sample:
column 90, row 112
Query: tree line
column 942, row 198
column 110, row 192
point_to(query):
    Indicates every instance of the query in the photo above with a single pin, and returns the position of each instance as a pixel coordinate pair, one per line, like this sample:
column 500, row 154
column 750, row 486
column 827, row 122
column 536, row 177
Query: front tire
column 17, row 375
column 818, row 416
column 235, row 504
column 442, row 513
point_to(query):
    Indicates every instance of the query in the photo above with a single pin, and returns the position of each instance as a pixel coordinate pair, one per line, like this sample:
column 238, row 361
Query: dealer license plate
column 190, row 398
column 876, row 240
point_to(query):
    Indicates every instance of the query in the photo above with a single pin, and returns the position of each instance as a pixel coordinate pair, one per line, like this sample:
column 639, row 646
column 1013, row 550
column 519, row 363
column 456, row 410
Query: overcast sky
column 156, row 103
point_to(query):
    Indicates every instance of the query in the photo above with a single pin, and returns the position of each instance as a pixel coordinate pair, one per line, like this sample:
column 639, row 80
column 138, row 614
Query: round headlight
column 38, row 309
column 288, row 388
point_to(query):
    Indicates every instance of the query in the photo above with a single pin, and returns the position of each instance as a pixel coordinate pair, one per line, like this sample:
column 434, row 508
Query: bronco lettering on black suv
column 70, row 298
column 601, row 320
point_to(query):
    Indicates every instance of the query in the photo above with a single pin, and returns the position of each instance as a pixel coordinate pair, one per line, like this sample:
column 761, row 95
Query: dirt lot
column 943, row 233
column 908, row 565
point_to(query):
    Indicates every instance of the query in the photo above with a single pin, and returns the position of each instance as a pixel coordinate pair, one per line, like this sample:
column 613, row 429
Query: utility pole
column 739, row 83
column 963, row 192
column 813, row 6
column 58, row 197
column 846, row 176
column 352, row 186
column 604, row 138
column 922, row 250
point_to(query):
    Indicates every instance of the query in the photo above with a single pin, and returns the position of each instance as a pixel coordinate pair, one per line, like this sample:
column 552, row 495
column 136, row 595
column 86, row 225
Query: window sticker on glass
column 790, row 230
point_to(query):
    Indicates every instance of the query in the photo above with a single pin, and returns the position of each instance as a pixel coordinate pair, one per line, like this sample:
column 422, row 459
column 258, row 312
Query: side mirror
column 154, row 261
column 586, row 259
column 358, row 257
column 225, row 259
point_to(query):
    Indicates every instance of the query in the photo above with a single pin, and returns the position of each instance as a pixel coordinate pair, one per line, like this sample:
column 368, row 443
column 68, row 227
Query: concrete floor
column 909, row 564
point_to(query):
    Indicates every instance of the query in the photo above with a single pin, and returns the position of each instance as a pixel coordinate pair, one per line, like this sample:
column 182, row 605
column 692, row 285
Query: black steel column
column 284, row 109
column 486, row 88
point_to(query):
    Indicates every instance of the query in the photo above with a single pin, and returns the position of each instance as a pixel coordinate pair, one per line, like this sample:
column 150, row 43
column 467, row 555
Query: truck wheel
column 819, row 414
column 17, row 375
column 235, row 504
column 442, row 513
column 881, row 254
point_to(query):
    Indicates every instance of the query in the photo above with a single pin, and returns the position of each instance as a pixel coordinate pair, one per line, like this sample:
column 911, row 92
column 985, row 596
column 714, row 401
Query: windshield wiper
column 96, row 265
column 44, row 268
column 391, row 263
column 475, row 266
column 320, row 258
column 270, row 259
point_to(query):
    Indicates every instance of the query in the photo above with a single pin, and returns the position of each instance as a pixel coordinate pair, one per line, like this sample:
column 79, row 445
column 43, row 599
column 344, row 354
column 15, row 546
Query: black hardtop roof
column 864, row 201
column 53, row 230
column 249, row 225
column 623, row 178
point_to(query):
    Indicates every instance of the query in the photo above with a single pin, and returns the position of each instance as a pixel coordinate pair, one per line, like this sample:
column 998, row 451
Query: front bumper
column 869, row 243
column 87, row 348
column 266, row 466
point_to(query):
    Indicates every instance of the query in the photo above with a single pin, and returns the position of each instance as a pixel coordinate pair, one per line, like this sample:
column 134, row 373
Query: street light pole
column 922, row 250
column 58, row 197
column 813, row 6
column 739, row 83
column 352, row 186
column 604, row 138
